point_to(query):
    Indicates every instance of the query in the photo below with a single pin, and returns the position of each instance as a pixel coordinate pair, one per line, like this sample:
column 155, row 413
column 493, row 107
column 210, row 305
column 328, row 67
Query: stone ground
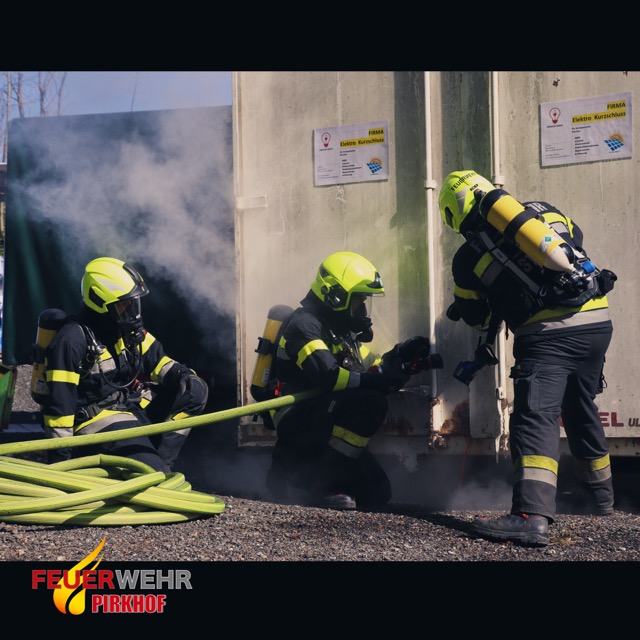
column 254, row 528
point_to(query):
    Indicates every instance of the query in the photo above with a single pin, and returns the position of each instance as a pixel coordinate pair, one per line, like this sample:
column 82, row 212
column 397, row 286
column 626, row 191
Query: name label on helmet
column 455, row 185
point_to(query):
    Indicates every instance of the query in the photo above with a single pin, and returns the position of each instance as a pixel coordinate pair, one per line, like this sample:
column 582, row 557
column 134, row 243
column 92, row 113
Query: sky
column 87, row 92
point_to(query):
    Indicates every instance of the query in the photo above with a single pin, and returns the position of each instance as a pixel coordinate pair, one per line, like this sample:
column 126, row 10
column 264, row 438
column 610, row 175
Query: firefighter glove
column 189, row 384
column 387, row 378
column 410, row 356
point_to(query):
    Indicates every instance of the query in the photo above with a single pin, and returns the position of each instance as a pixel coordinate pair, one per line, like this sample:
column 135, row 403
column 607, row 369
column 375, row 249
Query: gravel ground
column 252, row 528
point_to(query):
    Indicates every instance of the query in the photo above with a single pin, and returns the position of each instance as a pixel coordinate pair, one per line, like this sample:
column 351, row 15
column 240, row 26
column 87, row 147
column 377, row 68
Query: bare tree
column 25, row 91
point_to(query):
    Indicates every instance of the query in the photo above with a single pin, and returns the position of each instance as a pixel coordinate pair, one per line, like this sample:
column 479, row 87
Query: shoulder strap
column 93, row 348
column 545, row 294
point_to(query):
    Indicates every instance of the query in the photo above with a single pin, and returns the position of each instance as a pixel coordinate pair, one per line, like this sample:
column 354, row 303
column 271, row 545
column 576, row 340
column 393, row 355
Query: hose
column 102, row 490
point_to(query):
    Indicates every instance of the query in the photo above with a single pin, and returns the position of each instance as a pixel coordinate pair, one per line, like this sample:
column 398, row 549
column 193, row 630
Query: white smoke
column 162, row 202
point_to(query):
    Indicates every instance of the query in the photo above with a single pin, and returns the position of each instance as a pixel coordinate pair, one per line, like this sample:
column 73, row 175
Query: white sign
column 351, row 153
column 586, row 130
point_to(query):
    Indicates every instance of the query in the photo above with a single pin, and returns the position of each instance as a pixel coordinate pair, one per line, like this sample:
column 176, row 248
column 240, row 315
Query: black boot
column 587, row 500
column 332, row 481
column 527, row 529
column 330, row 500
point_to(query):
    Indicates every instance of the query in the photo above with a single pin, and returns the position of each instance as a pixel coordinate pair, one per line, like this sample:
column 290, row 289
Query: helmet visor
column 358, row 305
column 127, row 313
column 360, row 317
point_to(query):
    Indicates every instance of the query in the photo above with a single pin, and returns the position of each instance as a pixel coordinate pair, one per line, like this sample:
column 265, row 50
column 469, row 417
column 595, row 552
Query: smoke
column 453, row 482
column 155, row 190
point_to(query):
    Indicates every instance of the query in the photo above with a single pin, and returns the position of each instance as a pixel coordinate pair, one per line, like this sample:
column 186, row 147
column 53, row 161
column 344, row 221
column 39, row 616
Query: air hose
column 103, row 490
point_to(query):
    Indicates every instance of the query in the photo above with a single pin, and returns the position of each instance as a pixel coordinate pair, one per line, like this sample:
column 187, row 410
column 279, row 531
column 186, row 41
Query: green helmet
column 343, row 275
column 458, row 198
column 107, row 281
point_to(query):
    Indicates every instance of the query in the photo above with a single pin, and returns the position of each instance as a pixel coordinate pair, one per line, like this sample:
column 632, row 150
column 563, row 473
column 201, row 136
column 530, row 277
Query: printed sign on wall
column 351, row 153
column 586, row 130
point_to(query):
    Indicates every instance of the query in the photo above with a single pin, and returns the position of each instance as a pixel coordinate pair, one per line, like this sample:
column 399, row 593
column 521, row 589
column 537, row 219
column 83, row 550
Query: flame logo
column 69, row 596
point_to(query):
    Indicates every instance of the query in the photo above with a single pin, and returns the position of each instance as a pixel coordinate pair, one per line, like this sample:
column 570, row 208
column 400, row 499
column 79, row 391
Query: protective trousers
column 168, row 404
column 140, row 448
column 557, row 375
column 323, row 442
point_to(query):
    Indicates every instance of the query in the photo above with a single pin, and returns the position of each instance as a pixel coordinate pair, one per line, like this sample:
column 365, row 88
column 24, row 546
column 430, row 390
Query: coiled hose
column 103, row 490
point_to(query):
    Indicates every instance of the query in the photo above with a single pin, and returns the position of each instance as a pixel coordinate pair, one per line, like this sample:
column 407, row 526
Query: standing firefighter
column 322, row 443
column 106, row 372
column 524, row 264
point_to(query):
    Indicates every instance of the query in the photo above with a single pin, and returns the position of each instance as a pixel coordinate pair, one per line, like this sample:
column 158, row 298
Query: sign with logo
column 351, row 153
column 586, row 130
column 86, row 589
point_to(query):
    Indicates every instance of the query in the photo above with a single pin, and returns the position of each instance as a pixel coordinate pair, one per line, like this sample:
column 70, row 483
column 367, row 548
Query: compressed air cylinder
column 266, row 347
column 530, row 234
column 49, row 322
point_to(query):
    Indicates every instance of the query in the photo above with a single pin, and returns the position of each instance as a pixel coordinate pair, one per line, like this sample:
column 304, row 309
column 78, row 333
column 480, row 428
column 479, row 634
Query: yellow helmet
column 107, row 281
column 342, row 275
column 458, row 198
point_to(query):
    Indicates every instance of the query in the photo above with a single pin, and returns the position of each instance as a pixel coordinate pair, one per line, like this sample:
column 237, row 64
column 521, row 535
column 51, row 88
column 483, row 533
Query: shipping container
column 563, row 137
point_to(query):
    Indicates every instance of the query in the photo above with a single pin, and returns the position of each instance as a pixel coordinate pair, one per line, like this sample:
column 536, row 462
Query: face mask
column 128, row 316
column 360, row 323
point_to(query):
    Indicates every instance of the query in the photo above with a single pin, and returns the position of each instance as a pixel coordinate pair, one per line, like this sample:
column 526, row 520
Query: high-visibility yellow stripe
column 154, row 374
column 308, row 349
column 59, row 421
column 482, row 264
column 147, row 342
column 594, row 465
column 466, row 294
column 119, row 416
column 541, row 462
column 343, row 380
column 349, row 436
column 59, row 375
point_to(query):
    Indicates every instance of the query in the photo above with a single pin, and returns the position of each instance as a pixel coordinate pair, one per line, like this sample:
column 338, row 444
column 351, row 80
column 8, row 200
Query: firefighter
column 321, row 448
column 106, row 372
column 559, row 350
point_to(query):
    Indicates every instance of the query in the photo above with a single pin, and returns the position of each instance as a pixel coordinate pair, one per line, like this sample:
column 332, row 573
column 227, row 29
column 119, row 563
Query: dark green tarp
column 152, row 188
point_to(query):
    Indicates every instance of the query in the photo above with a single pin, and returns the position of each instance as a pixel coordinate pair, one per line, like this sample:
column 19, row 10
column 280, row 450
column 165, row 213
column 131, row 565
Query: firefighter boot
column 595, row 499
column 330, row 487
column 527, row 529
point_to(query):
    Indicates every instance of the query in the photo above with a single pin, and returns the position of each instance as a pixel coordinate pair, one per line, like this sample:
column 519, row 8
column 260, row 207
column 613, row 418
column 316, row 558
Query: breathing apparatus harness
column 50, row 321
column 135, row 352
column 551, row 288
column 548, row 290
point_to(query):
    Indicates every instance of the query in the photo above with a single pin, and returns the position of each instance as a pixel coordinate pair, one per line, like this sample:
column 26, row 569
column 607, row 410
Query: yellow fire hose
column 103, row 490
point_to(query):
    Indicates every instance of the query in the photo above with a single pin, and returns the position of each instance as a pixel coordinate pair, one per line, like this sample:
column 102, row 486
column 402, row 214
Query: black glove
column 407, row 352
column 453, row 313
column 387, row 378
column 185, row 383
column 419, row 346
column 192, row 386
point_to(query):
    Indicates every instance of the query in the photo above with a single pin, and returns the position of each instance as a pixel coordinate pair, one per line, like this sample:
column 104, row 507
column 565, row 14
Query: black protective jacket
column 86, row 390
column 316, row 349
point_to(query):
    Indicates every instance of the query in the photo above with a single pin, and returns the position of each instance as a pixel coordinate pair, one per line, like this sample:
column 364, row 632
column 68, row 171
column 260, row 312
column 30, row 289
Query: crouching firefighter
column 321, row 450
column 524, row 264
column 104, row 372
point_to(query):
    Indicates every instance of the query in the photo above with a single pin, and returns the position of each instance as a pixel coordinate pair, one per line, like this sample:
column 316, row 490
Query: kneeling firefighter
column 321, row 448
column 105, row 372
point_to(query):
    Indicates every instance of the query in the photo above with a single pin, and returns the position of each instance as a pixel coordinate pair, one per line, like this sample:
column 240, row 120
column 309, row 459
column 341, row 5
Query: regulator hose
column 103, row 490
